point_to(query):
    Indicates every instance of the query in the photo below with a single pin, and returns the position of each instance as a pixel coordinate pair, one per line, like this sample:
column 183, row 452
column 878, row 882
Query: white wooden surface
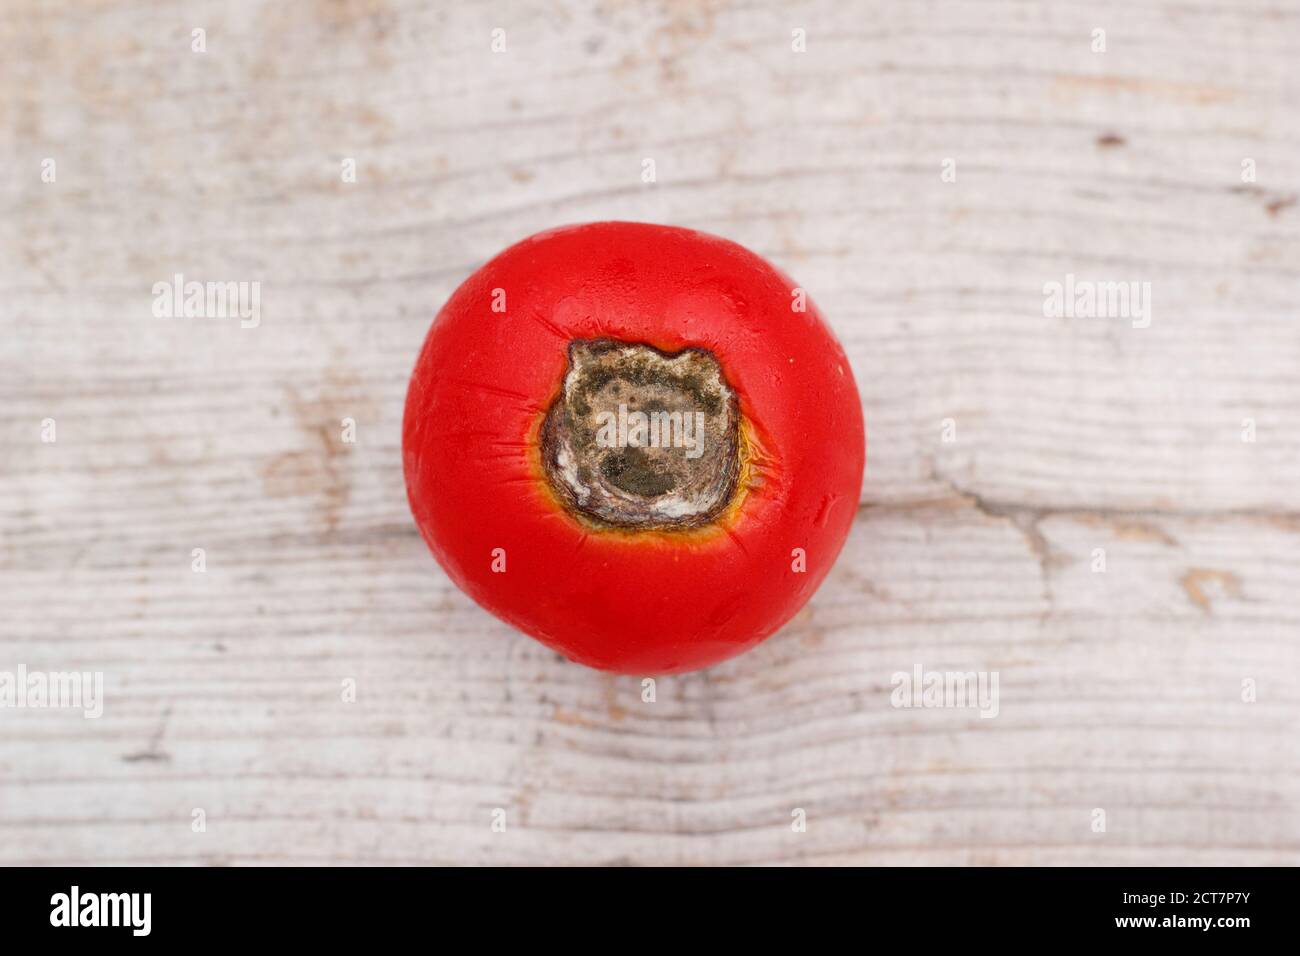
column 1119, row 691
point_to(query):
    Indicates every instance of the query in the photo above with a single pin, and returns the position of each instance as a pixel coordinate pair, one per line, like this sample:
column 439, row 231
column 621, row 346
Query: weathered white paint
column 1119, row 690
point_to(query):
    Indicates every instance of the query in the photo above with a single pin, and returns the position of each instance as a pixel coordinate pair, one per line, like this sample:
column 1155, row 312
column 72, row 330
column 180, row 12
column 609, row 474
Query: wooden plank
column 1119, row 690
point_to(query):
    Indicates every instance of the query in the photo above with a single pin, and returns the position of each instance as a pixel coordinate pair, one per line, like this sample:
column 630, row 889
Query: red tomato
column 639, row 444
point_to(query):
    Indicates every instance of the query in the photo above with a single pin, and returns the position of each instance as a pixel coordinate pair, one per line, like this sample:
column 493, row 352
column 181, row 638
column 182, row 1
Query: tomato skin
column 635, row 602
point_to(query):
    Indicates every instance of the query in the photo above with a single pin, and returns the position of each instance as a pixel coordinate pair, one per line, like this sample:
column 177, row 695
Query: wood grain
column 1120, row 690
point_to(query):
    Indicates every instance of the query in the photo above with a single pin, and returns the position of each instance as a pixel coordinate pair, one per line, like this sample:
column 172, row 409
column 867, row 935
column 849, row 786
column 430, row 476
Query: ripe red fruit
column 639, row 444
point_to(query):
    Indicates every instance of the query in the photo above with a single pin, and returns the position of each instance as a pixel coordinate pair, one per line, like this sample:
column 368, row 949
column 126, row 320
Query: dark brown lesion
column 680, row 471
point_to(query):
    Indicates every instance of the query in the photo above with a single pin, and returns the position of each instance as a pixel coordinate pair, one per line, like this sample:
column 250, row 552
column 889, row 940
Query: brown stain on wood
column 1275, row 206
column 320, row 470
column 562, row 715
column 688, row 26
column 613, row 708
column 1071, row 86
column 1196, row 580
column 348, row 14
column 1144, row 531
